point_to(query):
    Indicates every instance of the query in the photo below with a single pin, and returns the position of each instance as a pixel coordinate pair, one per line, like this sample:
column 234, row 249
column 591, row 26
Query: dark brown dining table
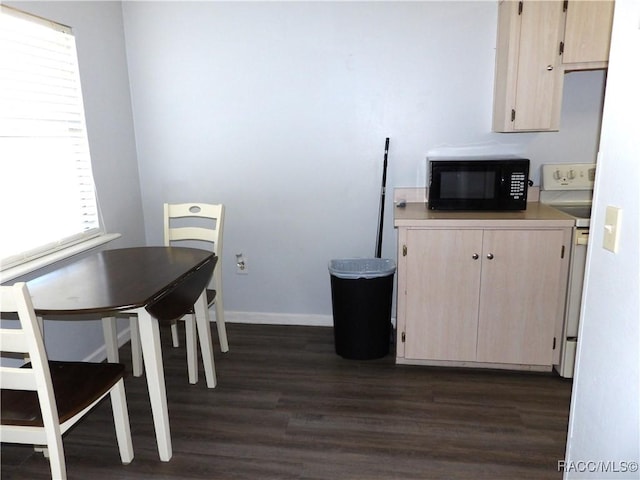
column 156, row 283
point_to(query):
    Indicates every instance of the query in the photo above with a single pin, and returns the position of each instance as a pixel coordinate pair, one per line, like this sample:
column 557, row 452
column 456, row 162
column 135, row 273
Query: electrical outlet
column 241, row 264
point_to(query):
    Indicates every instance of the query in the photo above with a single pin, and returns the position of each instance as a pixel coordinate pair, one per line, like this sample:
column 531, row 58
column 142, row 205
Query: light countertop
column 540, row 215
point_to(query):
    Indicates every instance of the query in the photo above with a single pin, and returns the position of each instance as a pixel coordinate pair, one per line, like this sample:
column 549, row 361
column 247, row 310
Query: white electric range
column 569, row 188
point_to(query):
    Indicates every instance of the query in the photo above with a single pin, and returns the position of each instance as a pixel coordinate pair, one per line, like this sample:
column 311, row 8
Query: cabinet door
column 539, row 78
column 587, row 31
column 442, row 285
column 528, row 82
column 519, row 296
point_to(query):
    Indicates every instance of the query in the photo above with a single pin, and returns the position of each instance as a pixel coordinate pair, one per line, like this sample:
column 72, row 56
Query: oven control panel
column 568, row 176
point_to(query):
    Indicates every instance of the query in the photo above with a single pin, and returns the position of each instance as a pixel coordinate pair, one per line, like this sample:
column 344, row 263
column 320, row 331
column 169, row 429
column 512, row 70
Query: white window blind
column 47, row 195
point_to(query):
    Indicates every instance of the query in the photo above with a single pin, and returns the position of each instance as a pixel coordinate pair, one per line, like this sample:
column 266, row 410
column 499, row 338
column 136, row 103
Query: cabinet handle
column 549, row 67
column 490, row 256
column 475, row 256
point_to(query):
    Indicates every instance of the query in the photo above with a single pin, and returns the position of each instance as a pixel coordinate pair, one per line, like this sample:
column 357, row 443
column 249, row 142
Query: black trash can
column 361, row 294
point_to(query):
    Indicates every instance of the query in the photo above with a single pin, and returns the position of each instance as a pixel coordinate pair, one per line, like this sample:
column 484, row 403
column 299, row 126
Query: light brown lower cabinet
column 483, row 297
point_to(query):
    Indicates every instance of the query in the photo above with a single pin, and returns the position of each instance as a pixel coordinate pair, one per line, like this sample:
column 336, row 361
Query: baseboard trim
column 262, row 318
column 265, row 318
column 299, row 319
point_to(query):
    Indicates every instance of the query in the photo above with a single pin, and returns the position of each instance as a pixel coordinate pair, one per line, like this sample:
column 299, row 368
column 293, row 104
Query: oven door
column 574, row 300
column 576, row 280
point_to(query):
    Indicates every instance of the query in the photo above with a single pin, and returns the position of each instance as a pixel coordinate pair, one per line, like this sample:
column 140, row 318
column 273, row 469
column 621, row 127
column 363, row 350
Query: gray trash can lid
column 362, row 267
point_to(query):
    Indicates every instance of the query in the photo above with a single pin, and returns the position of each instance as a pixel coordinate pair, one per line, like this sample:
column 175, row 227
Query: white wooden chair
column 41, row 400
column 198, row 225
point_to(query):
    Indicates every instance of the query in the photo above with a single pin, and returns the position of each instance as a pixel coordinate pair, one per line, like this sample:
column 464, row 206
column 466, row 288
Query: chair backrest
column 194, row 222
column 26, row 339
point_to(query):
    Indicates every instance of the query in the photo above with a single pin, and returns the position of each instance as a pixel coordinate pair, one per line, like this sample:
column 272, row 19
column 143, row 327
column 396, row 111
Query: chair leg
column 57, row 463
column 136, row 347
column 201, row 310
column 110, row 339
column 41, row 449
column 192, row 348
column 222, row 328
column 174, row 333
column 54, row 449
column 121, row 422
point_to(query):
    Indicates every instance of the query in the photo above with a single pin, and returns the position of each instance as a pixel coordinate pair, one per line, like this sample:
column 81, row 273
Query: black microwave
column 479, row 183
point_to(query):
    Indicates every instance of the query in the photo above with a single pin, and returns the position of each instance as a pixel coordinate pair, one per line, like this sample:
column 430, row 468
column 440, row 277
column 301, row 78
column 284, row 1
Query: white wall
column 280, row 111
column 604, row 422
column 99, row 34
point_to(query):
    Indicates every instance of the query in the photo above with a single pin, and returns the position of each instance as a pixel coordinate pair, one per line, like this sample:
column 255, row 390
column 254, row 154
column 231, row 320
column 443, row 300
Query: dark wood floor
column 287, row 407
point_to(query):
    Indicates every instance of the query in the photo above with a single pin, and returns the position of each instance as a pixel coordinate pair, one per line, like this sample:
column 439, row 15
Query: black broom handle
column 382, row 194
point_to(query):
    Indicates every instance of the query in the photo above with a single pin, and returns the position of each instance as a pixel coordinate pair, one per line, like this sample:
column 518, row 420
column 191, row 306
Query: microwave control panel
column 518, row 185
column 568, row 176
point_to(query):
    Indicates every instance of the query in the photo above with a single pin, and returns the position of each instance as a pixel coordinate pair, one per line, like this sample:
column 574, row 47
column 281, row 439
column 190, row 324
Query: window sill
column 45, row 260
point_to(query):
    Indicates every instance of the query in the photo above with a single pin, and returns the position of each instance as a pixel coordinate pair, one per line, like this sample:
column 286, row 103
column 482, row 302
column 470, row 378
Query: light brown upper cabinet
column 587, row 34
column 528, row 85
column 537, row 42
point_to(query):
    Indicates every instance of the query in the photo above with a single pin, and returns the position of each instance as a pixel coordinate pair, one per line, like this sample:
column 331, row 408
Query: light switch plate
column 612, row 218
